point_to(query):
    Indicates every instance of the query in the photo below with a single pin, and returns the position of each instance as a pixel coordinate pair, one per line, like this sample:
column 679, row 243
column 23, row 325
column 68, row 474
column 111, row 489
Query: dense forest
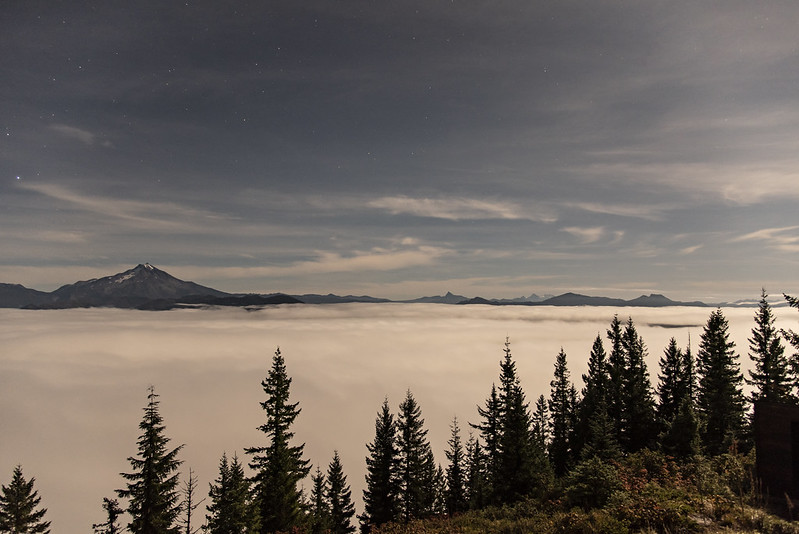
column 618, row 455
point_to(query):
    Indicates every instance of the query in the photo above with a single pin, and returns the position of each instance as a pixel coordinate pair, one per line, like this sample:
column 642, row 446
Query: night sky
column 401, row 149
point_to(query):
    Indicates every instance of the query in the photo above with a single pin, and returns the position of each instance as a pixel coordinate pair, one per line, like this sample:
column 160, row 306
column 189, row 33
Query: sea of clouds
column 73, row 382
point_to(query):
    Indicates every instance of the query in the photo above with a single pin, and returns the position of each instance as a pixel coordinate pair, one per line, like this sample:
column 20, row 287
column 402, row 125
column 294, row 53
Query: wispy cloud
column 376, row 259
column 785, row 239
column 586, row 235
column 152, row 215
column 457, row 209
column 84, row 136
column 639, row 211
column 689, row 250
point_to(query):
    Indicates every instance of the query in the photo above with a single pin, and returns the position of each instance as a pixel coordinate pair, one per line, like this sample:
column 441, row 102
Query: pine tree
column 279, row 466
column 640, row 427
column 476, row 475
column 720, row 399
column 594, row 397
column 112, row 513
column 540, row 423
column 771, row 376
column 380, row 498
column 416, row 468
column 560, row 409
column 152, row 490
column 230, row 510
column 490, row 432
column 456, row 500
column 793, row 338
column 671, row 382
column 319, row 509
column 18, row 507
column 681, row 437
column 339, row 498
column 617, row 369
column 522, row 466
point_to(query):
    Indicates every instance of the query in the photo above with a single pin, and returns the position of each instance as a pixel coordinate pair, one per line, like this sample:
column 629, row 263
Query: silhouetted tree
column 476, row 474
column 230, row 510
column 640, row 427
column 560, row 409
column 490, row 432
column 190, row 503
column 19, row 506
column 720, row 399
column 617, row 369
column 681, row 437
column 279, row 466
column 793, row 338
column 671, row 380
column 112, row 513
column 540, row 423
column 152, row 490
column 456, row 500
column 417, row 469
column 339, row 498
column 380, row 497
column 770, row 377
column 593, row 399
column 319, row 510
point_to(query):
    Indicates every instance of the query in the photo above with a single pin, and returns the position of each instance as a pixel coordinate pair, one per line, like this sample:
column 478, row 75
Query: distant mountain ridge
column 149, row 288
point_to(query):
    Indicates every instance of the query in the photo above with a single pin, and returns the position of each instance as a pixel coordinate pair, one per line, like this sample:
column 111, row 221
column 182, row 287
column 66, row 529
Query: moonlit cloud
column 586, row 235
column 457, row 209
column 785, row 239
column 72, row 132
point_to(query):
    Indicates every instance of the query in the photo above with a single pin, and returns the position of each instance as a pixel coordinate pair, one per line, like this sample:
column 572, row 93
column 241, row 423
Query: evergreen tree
column 230, row 510
column 339, row 498
column 720, row 399
column 771, row 376
column 793, row 338
column 112, row 513
column 152, row 490
column 456, row 500
column 279, row 466
column 560, row 409
column 18, row 507
column 380, row 497
column 319, row 509
column 416, row 468
column 594, row 397
column 476, row 475
column 541, row 424
column 640, row 427
column 522, row 467
column 681, row 437
column 490, row 432
column 617, row 369
column 601, row 438
column 671, row 380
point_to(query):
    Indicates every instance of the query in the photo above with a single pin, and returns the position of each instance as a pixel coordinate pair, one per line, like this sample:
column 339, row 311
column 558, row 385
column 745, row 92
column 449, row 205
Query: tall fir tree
column 279, row 466
column 640, row 427
column 594, row 398
column 617, row 369
column 670, row 382
column 490, row 433
column 19, row 506
column 770, row 378
column 339, row 498
column 456, row 500
column 560, row 409
column 416, row 467
column 522, row 467
column 380, row 497
column 793, row 339
column 540, row 423
column 152, row 489
column 319, row 513
column 720, row 399
column 476, row 475
column 230, row 510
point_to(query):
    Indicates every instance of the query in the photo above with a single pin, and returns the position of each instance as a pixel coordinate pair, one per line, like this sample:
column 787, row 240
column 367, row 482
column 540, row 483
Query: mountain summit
column 128, row 289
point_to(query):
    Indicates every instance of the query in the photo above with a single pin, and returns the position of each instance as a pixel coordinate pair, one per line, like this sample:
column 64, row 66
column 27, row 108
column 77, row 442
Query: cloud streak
column 460, row 209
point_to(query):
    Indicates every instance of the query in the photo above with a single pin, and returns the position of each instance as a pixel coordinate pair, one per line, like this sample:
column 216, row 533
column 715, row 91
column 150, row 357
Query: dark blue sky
column 405, row 148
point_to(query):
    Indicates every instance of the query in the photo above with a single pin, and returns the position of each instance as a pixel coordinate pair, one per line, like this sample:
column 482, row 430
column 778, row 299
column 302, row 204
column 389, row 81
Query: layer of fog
column 73, row 383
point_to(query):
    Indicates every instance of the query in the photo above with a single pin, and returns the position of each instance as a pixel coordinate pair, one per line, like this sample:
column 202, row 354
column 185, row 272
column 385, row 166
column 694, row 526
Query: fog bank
column 73, row 382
